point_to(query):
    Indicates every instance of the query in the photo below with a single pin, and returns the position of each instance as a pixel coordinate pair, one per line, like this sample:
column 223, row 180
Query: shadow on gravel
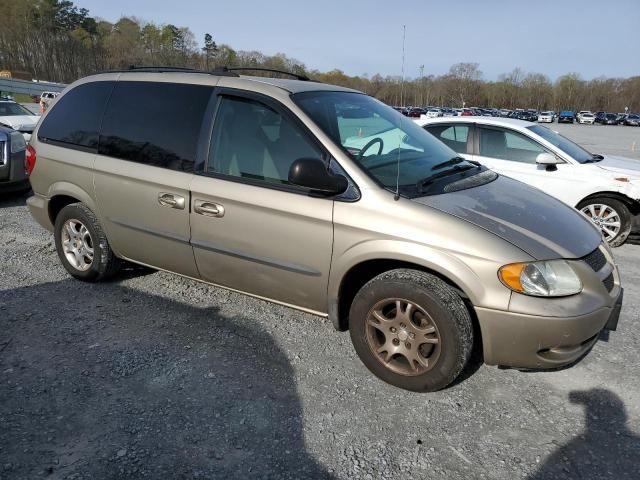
column 102, row 381
column 606, row 449
column 13, row 199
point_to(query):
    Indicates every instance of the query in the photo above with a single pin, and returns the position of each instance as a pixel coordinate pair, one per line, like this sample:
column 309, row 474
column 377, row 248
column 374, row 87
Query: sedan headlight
column 551, row 278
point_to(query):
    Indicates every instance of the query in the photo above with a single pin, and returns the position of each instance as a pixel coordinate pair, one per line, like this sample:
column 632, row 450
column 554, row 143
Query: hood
column 524, row 216
column 18, row 122
column 613, row 163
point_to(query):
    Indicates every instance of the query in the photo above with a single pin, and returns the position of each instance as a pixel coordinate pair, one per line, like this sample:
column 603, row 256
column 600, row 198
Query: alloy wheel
column 77, row 244
column 403, row 336
column 605, row 218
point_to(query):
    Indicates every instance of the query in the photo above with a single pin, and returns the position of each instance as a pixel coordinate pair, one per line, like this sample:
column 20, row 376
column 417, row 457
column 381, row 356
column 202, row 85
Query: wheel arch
column 634, row 205
column 343, row 289
column 62, row 194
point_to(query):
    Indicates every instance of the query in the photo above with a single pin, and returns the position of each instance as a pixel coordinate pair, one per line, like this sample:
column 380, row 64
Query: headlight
column 552, row 278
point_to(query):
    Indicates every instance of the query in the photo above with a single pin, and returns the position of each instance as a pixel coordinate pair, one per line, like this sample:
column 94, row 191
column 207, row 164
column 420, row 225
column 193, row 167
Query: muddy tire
column 411, row 329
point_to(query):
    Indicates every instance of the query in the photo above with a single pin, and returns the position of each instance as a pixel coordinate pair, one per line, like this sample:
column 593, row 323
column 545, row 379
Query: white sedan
column 545, row 117
column 588, row 118
column 606, row 188
column 15, row 116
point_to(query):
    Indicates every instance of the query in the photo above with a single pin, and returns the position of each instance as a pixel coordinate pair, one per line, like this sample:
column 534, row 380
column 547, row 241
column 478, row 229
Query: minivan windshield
column 574, row 150
column 384, row 143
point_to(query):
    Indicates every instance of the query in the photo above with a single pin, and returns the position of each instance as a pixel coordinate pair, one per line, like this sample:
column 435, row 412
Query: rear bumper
column 39, row 209
column 527, row 341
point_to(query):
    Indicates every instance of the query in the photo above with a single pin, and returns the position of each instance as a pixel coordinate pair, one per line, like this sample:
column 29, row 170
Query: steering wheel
column 368, row 146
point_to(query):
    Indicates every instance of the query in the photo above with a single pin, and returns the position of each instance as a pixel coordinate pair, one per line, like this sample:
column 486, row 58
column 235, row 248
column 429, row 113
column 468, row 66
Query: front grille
column 596, row 260
column 608, row 282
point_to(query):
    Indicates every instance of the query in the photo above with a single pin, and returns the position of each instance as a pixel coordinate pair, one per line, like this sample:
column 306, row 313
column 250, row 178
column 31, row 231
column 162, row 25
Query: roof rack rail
column 166, row 69
column 223, row 70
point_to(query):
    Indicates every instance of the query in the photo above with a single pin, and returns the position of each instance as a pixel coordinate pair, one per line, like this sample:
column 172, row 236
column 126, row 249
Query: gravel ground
column 155, row 376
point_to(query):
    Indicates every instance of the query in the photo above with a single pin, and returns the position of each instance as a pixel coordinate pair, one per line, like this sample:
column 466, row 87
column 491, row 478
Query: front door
column 251, row 230
column 513, row 154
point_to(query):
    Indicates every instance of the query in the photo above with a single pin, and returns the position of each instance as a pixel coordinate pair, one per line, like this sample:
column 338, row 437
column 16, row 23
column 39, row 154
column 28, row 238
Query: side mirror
column 548, row 160
column 313, row 174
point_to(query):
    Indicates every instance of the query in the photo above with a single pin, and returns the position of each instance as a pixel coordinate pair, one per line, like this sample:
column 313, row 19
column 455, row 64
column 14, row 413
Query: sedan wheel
column 611, row 216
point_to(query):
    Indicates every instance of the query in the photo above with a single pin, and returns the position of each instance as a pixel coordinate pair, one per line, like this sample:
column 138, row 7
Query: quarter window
column 455, row 136
column 253, row 141
column 508, row 145
column 155, row 123
column 76, row 116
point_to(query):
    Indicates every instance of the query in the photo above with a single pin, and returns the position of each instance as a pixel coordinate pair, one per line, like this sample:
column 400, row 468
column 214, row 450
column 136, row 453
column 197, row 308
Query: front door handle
column 170, row 200
column 208, row 209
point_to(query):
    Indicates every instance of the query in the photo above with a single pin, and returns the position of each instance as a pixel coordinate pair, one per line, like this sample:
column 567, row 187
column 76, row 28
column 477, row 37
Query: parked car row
column 531, row 115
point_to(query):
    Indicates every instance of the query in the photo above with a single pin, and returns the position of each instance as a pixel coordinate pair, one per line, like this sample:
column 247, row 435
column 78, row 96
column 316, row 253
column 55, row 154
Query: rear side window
column 454, row 136
column 75, row 118
column 154, row 123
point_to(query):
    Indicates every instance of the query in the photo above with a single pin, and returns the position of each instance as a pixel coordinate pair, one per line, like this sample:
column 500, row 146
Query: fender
column 72, row 190
column 456, row 267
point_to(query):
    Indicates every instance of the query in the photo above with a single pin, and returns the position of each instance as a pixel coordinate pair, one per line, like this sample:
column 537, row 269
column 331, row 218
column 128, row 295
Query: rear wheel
column 611, row 216
column 82, row 246
column 411, row 330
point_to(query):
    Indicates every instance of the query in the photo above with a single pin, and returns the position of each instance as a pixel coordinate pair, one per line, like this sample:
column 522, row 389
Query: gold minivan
column 323, row 199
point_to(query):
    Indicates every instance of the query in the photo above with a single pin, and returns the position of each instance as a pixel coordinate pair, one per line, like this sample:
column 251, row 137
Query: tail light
column 30, row 159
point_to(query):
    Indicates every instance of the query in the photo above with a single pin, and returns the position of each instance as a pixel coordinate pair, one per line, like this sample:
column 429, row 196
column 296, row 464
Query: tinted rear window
column 76, row 116
column 155, row 123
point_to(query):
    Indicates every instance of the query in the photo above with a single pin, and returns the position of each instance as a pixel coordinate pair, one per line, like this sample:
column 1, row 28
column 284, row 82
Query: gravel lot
column 155, row 376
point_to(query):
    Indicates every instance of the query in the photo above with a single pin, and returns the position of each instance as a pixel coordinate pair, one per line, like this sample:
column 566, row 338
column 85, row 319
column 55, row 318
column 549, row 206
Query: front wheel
column 611, row 216
column 411, row 330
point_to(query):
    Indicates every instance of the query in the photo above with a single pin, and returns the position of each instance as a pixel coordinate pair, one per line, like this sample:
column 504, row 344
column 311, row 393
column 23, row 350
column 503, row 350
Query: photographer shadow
column 607, row 449
column 119, row 383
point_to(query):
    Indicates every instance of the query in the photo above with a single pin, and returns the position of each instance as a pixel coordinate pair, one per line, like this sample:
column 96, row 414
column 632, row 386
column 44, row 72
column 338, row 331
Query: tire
column 601, row 207
column 86, row 255
column 439, row 317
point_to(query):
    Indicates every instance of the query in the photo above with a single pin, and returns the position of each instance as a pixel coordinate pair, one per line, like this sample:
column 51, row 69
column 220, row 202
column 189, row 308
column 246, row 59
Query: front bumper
column 528, row 341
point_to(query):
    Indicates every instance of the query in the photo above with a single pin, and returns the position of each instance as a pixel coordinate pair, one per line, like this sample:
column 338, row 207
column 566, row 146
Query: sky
column 591, row 37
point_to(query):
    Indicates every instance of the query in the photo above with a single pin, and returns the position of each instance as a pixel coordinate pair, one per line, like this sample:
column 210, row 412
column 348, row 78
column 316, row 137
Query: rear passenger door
column 148, row 146
column 251, row 230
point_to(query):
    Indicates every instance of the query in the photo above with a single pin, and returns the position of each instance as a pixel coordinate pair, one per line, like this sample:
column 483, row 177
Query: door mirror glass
column 312, row 173
column 547, row 159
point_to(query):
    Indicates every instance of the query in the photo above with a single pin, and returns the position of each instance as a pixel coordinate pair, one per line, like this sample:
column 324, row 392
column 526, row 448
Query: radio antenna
column 397, row 195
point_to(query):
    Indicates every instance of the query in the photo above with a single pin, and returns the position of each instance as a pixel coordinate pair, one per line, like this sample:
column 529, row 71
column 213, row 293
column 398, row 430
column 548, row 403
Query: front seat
column 493, row 143
column 247, row 147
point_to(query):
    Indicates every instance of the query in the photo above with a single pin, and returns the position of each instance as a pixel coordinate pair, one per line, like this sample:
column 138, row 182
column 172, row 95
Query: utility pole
column 421, row 85
column 404, row 33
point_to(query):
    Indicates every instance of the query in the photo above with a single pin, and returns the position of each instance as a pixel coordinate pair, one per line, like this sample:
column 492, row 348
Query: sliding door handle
column 170, row 200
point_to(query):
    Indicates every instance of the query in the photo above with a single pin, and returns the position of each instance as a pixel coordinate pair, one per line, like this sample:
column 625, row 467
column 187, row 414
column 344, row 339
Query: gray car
column 13, row 176
column 323, row 199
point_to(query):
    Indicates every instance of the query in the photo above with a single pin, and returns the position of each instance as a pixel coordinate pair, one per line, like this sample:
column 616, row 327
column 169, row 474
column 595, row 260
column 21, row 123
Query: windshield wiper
column 455, row 169
column 451, row 161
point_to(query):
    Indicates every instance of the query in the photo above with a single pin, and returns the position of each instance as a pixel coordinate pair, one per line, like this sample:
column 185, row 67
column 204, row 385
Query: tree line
column 58, row 41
